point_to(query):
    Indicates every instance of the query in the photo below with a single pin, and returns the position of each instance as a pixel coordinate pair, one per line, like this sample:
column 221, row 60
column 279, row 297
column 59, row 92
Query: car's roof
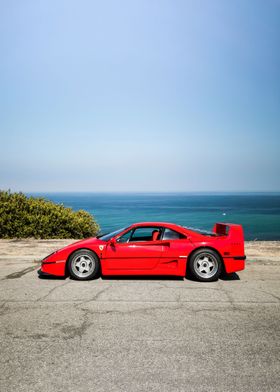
column 165, row 224
column 173, row 226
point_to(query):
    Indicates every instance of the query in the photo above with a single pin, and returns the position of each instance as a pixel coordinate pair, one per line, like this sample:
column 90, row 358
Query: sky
column 140, row 95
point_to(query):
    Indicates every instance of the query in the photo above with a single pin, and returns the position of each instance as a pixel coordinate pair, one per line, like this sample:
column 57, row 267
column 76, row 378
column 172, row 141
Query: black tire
column 83, row 265
column 205, row 265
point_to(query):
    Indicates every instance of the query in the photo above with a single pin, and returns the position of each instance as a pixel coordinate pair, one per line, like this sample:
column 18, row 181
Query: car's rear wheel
column 83, row 265
column 205, row 265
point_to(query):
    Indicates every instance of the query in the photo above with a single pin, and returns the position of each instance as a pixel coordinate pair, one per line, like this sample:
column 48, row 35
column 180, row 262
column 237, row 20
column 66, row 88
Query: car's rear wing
column 231, row 230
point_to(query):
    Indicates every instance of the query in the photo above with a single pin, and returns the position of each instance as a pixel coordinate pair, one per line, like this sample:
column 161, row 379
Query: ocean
column 259, row 213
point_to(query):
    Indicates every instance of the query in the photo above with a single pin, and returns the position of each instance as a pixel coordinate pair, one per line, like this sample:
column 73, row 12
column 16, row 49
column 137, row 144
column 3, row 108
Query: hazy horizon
column 153, row 192
column 161, row 96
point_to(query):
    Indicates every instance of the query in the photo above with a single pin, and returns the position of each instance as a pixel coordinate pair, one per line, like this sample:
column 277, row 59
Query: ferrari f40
column 152, row 248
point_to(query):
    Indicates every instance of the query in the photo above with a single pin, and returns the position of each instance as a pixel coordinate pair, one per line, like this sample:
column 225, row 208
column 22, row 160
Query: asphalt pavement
column 138, row 334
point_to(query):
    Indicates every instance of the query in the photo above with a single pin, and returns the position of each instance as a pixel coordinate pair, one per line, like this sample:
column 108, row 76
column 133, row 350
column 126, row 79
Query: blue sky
column 143, row 95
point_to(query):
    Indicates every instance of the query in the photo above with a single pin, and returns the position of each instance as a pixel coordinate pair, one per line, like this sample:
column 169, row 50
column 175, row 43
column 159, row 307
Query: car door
column 174, row 256
column 134, row 250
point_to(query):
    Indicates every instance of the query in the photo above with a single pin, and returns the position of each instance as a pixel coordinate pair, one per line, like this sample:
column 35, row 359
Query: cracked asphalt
column 135, row 335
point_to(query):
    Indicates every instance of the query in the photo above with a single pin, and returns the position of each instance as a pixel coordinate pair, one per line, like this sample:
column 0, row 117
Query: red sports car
column 152, row 248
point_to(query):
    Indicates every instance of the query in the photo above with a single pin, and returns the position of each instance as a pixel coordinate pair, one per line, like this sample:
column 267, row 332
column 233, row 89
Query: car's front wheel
column 205, row 265
column 83, row 265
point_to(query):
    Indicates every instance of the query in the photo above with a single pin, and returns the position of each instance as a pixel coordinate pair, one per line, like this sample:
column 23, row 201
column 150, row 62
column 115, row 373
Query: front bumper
column 53, row 267
column 43, row 274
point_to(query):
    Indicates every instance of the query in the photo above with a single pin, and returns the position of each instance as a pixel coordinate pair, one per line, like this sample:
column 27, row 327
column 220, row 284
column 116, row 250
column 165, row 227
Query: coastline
column 258, row 213
column 266, row 252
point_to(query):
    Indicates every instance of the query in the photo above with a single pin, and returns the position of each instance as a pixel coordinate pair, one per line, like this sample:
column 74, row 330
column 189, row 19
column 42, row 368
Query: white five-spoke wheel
column 205, row 265
column 83, row 265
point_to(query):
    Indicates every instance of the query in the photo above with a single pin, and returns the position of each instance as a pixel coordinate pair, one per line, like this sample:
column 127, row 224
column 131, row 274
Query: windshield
column 108, row 236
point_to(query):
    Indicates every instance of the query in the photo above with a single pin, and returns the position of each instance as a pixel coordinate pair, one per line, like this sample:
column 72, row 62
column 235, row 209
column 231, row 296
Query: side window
column 146, row 234
column 125, row 237
column 172, row 235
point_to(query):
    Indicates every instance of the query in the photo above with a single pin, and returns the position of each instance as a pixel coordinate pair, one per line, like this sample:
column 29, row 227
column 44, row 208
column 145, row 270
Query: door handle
column 165, row 243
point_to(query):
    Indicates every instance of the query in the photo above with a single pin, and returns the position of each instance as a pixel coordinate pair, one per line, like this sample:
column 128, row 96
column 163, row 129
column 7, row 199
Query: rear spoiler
column 230, row 230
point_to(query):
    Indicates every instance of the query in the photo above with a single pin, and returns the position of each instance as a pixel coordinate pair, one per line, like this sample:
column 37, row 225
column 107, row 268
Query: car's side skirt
column 166, row 266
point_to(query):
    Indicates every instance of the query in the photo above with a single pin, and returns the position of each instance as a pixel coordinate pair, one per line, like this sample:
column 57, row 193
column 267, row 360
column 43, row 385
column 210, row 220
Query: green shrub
column 25, row 217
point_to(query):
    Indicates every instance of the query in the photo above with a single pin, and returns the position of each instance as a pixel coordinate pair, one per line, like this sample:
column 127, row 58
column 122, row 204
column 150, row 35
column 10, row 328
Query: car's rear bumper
column 234, row 264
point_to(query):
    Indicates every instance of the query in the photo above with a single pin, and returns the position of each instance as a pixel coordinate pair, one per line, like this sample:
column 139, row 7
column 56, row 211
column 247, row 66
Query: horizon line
column 151, row 192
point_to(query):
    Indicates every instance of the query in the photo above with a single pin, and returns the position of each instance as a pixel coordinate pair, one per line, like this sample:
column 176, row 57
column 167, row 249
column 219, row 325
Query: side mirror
column 112, row 241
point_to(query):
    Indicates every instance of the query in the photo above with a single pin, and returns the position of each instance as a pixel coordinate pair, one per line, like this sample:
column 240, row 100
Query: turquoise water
column 259, row 213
